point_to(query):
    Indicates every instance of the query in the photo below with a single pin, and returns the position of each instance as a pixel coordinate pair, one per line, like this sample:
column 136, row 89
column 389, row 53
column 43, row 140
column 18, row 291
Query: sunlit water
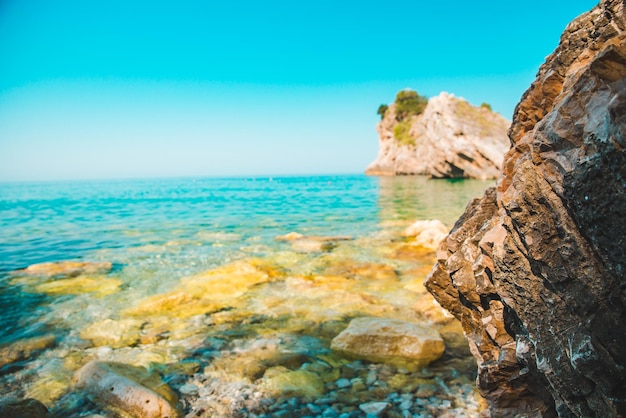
column 156, row 232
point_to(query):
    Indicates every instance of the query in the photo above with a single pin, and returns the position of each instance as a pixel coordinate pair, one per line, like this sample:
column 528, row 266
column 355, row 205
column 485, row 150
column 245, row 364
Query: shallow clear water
column 156, row 232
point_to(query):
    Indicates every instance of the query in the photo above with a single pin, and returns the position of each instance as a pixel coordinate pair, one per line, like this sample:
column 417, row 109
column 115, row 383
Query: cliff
column 450, row 139
column 535, row 270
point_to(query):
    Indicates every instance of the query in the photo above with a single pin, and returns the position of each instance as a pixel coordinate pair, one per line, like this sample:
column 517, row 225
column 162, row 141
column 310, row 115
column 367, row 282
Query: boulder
column 113, row 333
column 392, row 341
column 134, row 391
column 450, row 139
column 535, row 269
column 427, row 233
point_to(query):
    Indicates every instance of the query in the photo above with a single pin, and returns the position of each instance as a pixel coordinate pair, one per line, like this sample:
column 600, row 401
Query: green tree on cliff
column 382, row 109
column 409, row 103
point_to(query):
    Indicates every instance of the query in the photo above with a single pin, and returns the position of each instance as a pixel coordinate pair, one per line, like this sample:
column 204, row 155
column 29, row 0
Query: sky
column 139, row 89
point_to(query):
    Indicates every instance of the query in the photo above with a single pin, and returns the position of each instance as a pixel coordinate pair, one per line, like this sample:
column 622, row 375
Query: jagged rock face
column 535, row 270
column 451, row 139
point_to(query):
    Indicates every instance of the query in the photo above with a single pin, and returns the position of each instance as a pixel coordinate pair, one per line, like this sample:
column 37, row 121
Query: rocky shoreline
column 309, row 332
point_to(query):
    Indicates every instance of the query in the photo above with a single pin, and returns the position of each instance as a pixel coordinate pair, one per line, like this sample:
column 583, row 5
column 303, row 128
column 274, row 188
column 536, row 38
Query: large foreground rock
column 536, row 270
column 390, row 341
column 133, row 391
column 450, row 139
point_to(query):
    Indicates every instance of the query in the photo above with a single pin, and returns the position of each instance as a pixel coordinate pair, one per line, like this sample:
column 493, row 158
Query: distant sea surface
column 157, row 231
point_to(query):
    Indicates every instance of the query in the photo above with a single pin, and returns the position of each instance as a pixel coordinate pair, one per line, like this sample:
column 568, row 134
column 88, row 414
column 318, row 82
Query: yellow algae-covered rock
column 410, row 251
column 358, row 270
column 67, row 268
column 231, row 280
column 322, row 283
column 280, row 381
column 289, row 237
column 47, row 389
column 390, row 341
column 78, row 285
column 427, row 234
column 23, row 349
column 178, row 304
column 133, row 390
column 431, row 309
column 113, row 333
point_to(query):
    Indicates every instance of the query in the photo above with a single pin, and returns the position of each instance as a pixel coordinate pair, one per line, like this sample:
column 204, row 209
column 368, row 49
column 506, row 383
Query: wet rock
column 428, row 306
column 24, row 349
column 25, row 408
column 78, row 285
column 535, row 270
column 132, row 390
column 310, row 243
column 427, row 234
column 390, row 341
column 374, row 408
column 209, row 291
column 113, row 333
column 67, row 268
column 280, row 381
column 356, row 270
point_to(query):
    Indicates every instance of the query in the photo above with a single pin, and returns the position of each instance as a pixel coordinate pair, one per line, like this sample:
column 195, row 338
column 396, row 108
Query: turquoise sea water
column 156, row 232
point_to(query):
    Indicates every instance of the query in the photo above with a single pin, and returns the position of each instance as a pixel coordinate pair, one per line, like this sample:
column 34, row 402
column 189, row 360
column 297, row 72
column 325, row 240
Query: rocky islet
column 449, row 139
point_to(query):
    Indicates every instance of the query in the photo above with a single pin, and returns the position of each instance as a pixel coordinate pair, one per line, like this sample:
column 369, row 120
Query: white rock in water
column 450, row 139
column 374, row 408
column 390, row 341
column 114, row 385
column 427, row 233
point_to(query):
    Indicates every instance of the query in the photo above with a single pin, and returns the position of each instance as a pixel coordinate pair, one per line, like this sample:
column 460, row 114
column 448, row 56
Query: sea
column 155, row 232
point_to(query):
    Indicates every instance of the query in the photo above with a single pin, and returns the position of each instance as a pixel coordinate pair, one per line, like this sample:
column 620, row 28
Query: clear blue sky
column 121, row 89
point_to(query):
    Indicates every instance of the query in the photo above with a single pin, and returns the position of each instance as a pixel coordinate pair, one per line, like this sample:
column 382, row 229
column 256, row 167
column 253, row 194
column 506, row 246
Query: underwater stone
column 121, row 387
column 25, row 408
column 67, row 268
column 391, row 341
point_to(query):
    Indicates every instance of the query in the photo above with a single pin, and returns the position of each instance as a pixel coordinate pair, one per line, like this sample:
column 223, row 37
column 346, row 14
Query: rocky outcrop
column 536, row 269
column 450, row 139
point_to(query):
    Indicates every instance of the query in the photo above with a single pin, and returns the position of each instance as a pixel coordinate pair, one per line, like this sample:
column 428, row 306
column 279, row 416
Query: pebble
column 374, row 408
column 343, row 383
column 406, row 404
column 188, row 389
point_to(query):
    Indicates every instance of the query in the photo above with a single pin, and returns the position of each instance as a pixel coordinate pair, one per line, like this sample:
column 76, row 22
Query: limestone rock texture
column 127, row 391
column 450, row 139
column 535, row 269
column 390, row 341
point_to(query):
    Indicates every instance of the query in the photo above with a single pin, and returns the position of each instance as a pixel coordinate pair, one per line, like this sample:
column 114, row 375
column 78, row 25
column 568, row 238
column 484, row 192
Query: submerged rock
column 450, row 139
column 78, row 285
column 280, row 381
column 25, row 408
column 113, row 333
column 397, row 342
column 67, row 268
column 208, row 291
column 311, row 243
column 427, row 234
column 535, row 270
column 24, row 349
column 129, row 389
